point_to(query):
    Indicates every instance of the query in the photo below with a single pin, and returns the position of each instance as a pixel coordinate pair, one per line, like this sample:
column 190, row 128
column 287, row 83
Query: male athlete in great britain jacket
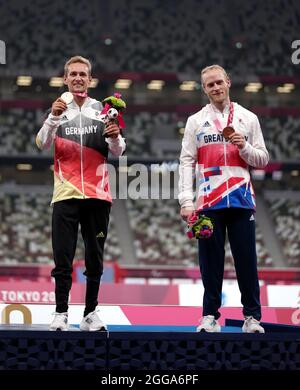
column 220, row 142
column 223, row 174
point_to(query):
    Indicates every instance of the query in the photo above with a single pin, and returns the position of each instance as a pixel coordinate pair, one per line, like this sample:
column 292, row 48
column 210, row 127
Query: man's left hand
column 237, row 139
column 111, row 130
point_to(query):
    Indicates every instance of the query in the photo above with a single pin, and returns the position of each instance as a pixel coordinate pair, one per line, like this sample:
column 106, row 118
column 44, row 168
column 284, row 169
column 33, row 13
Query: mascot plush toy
column 200, row 226
column 113, row 108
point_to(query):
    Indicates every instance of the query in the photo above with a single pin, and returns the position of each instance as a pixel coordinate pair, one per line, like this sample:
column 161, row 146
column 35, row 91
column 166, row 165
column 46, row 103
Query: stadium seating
column 286, row 215
column 26, row 228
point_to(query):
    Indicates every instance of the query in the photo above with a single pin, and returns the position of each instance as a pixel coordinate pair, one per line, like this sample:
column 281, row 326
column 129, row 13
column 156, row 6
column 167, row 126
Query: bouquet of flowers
column 113, row 108
column 200, row 226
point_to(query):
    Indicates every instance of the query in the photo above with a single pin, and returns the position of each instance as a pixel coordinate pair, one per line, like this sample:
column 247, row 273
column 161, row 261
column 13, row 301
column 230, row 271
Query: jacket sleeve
column 46, row 134
column 188, row 158
column 254, row 152
column 117, row 145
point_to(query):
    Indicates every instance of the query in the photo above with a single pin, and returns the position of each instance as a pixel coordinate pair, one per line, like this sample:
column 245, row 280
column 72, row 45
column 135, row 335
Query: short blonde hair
column 80, row 59
column 212, row 67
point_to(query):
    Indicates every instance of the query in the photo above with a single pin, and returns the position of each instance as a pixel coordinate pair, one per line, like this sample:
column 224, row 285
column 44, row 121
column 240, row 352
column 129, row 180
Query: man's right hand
column 58, row 107
column 186, row 212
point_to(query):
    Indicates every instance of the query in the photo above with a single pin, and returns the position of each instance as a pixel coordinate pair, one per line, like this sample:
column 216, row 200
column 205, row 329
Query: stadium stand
column 26, row 227
column 147, row 134
column 142, row 40
column 285, row 210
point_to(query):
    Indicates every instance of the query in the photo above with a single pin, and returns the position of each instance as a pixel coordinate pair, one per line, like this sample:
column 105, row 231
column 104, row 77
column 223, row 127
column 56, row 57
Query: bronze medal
column 227, row 131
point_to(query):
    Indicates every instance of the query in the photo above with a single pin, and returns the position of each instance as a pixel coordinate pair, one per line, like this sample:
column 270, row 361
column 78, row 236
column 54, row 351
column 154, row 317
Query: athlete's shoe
column 209, row 324
column 92, row 322
column 251, row 325
column 60, row 322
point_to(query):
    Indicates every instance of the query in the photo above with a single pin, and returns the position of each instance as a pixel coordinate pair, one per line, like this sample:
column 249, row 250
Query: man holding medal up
column 223, row 139
column 82, row 140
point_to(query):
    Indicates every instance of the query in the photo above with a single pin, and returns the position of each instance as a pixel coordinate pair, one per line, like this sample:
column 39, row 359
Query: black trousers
column 240, row 225
column 93, row 217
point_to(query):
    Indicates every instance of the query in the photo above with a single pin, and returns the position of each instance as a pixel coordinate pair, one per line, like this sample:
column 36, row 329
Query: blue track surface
column 164, row 328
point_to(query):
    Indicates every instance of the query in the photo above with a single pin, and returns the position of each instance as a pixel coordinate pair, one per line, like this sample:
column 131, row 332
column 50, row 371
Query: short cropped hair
column 212, row 67
column 80, row 59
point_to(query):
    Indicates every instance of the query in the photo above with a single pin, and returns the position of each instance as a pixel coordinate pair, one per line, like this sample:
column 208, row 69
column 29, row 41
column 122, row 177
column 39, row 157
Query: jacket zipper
column 225, row 164
column 81, row 153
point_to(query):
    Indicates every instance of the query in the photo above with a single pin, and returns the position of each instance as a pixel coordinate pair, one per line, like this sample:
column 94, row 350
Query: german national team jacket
column 80, row 151
column 221, row 169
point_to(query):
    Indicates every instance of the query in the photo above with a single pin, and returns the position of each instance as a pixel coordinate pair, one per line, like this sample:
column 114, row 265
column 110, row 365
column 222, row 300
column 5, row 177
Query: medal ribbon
column 80, row 94
column 216, row 120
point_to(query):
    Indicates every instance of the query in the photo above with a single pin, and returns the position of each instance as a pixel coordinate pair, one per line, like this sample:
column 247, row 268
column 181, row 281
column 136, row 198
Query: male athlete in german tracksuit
column 81, row 188
column 225, row 194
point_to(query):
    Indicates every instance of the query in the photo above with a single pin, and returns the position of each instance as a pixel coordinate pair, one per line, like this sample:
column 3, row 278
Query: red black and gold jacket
column 80, row 151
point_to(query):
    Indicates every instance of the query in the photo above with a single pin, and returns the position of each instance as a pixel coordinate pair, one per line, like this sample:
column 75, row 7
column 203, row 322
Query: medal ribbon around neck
column 80, row 94
column 216, row 120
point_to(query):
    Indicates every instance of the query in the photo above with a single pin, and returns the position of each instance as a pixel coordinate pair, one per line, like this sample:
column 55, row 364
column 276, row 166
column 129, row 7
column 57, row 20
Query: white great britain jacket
column 222, row 170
